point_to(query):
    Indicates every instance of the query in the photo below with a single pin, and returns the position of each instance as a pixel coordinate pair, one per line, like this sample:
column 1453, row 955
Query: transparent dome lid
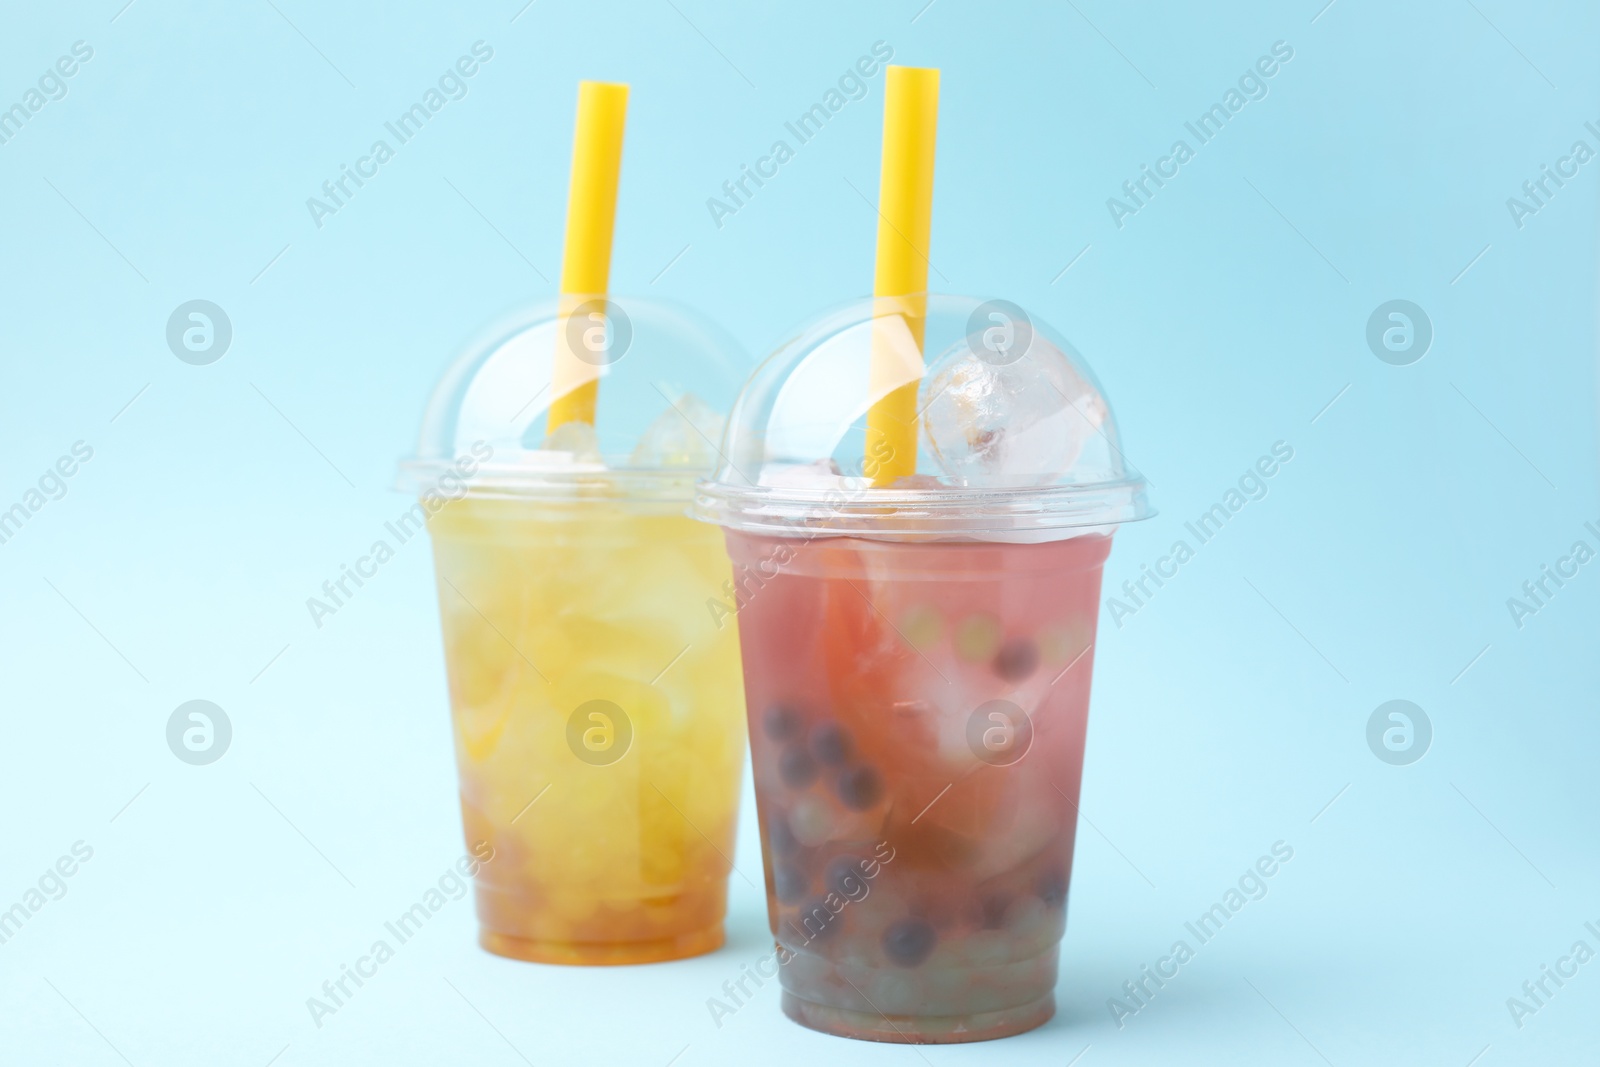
column 1010, row 437
column 659, row 378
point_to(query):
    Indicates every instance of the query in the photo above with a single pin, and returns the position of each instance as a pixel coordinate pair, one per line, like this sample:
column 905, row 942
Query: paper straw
column 900, row 282
column 586, row 256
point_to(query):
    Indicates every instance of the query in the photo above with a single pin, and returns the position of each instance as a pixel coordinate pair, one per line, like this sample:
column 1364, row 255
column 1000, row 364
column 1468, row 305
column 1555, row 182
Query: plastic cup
column 596, row 705
column 917, row 661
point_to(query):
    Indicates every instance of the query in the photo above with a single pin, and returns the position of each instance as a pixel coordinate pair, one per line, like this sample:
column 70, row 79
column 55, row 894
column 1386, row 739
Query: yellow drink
column 599, row 723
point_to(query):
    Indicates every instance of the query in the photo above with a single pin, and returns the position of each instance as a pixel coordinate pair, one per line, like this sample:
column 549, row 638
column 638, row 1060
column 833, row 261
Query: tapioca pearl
column 1051, row 887
column 782, row 722
column 859, row 787
column 780, row 838
column 796, row 767
column 907, row 942
column 830, row 744
column 978, row 637
column 1017, row 658
column 811, row 821
column 788, row 883
column 922, row 627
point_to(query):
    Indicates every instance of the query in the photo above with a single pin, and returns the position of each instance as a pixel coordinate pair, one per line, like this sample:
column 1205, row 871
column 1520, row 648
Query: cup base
column 919, row 1029
column 603, row 953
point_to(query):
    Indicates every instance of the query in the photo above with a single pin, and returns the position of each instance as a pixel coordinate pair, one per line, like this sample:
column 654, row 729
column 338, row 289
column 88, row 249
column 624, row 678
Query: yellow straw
column 586, row 257
column 900, row 283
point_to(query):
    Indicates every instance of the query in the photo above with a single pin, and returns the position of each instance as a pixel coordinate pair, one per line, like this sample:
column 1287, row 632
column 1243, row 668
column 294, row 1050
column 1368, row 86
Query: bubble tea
column 596, row 706
column 917, row 651
column 595, row 701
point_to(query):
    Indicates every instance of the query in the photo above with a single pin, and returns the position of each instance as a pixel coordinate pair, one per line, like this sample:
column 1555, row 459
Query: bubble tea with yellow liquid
column 597, row 703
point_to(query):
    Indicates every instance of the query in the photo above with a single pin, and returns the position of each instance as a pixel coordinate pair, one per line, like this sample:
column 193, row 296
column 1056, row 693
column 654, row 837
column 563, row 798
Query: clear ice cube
column 577, row 439
column 686, row 434
column 1019, row 421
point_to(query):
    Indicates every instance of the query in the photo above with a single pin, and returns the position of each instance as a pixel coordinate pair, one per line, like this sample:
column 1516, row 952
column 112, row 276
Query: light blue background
column 1222, row 318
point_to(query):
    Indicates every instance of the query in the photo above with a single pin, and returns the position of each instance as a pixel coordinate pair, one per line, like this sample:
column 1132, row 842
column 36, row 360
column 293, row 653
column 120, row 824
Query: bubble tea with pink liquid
column 917, row 654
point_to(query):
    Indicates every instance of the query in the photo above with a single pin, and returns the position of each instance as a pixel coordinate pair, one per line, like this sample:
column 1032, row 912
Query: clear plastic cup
column 596, row 705
column 917, row 660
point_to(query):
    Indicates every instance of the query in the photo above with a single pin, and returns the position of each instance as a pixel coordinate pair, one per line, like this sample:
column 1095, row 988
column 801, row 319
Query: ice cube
column 990, row 422
column 685, row 435
column 577, row 439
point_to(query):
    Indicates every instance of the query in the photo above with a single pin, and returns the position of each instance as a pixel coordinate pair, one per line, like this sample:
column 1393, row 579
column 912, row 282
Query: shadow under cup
column 917, row 716
column 598, row 720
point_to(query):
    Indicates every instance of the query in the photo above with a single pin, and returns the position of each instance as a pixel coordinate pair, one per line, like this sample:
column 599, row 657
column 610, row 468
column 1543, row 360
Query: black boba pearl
column 908, row 942
column 846, row 876
column 994, row 910
column 780, row 837
column 830, row 744
column 796, row 767
column 1052, row 888
column 781, row 722
column 1017, row 659
column 860, row 787
column 788, row 884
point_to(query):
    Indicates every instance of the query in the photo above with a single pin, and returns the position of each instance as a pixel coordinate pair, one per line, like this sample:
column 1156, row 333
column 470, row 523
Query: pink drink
column 917, row 715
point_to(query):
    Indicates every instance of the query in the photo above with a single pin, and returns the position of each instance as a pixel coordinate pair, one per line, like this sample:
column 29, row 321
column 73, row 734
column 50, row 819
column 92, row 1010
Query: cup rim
column 859, row 508
column 570, row 482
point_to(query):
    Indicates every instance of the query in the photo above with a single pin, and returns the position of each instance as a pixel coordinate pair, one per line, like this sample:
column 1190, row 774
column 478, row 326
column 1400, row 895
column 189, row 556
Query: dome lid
column 665, row 380
column 1014, row 439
